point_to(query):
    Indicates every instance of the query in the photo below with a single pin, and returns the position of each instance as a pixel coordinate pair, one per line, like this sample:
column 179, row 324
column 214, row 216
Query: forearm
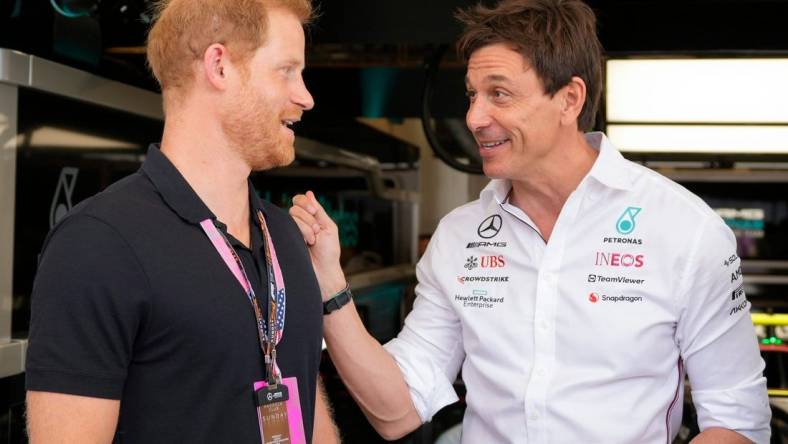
column 61, row 418
column 370, row 373
column 716, row 435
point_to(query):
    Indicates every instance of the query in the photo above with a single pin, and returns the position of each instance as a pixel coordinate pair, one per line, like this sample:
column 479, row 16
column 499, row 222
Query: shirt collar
column 177, row 192
column 609, row 169
column 496, row 191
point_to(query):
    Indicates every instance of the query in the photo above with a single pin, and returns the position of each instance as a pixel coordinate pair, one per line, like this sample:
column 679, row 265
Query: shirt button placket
column 537, row 385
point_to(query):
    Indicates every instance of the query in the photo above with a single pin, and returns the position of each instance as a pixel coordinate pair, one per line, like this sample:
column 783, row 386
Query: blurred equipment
column 64, row 136
column 731, row 150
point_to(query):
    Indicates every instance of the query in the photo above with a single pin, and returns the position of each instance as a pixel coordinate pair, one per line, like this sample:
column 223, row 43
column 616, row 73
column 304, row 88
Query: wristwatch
column 338, row 301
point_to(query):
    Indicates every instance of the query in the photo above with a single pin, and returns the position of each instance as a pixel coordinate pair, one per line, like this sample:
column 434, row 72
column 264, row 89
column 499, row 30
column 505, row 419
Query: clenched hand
column 322, row 238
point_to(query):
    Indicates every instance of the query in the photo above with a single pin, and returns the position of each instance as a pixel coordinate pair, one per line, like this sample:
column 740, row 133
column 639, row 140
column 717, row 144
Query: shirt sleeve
column 718, row 342
column 429, row 349
column 87, row 305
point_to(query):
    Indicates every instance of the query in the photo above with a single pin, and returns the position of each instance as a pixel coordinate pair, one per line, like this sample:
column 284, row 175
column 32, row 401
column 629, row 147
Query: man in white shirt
column 577, row 292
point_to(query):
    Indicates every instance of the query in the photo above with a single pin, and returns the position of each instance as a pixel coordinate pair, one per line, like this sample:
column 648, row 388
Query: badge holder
column 278, row 404
column 279, row 412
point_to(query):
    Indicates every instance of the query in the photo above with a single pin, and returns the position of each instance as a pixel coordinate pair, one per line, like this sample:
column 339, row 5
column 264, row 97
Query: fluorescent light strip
column 697, row 90
column 720, row 139
column 52, row 137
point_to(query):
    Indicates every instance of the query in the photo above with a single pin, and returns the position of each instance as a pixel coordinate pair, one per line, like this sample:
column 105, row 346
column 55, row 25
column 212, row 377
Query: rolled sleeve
column 87, row 305
column 429, row 349
column 718, row 342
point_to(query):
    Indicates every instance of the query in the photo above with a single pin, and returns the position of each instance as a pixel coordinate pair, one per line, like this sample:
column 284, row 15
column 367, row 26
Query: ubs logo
column 493, row 261
column 490, row 227
column 485, row 262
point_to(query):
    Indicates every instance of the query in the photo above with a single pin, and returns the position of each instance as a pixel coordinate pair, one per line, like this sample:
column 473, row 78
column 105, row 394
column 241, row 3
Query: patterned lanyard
column 269, row 333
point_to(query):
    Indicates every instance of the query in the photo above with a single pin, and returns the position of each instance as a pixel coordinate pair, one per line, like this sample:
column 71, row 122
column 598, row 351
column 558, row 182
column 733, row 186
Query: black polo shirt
column 132, row 302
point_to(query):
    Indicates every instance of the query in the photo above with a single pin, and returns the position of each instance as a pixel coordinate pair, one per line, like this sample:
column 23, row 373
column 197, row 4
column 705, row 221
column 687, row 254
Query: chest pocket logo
column 626, row 223
column 490, row 227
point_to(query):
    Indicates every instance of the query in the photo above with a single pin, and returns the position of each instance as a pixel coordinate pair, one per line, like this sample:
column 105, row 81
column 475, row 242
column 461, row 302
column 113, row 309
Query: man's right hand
column 369, row 372
column 322, row 238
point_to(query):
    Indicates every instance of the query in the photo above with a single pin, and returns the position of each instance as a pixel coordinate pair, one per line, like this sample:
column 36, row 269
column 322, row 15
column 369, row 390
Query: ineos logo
column 490, row 227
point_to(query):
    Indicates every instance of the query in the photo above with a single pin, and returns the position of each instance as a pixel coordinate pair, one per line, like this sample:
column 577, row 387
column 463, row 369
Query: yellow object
column 769, row 319
column 778, row 392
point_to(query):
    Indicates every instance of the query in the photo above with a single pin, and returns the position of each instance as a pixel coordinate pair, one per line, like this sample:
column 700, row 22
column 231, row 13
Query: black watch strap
column 338, row 301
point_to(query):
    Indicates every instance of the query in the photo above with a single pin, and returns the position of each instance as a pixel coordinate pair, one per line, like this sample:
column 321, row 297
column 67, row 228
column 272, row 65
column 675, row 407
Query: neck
column 557, row 175
column 200, row 152
column 542, row 191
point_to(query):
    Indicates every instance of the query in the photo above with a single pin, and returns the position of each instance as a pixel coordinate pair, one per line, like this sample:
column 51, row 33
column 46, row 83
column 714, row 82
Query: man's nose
column 478, row 116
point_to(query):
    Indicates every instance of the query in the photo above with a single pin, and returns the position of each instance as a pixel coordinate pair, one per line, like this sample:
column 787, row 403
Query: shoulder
column 465, row 217
column 98, row 215
column 686, row 224
column 102, row 228
column 127, row 201
column 680, row 208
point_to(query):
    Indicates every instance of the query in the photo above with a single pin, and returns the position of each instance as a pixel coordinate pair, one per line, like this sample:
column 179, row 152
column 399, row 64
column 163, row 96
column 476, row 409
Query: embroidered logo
column 626, row 223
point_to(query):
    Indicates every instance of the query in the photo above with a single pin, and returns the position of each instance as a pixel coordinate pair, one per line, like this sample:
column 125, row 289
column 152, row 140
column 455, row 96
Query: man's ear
column 215, row 67
column 573, row 96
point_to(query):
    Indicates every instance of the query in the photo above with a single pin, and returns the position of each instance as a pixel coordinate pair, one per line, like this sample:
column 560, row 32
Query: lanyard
column 270, row 332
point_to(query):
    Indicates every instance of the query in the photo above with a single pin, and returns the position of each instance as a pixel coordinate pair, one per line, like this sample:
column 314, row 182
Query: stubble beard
column 253, row 131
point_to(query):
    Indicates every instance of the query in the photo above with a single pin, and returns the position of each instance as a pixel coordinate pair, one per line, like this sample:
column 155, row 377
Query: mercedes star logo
column 490, row 227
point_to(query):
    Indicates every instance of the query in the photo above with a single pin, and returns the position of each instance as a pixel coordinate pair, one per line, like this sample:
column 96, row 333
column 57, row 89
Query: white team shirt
column 586, row 339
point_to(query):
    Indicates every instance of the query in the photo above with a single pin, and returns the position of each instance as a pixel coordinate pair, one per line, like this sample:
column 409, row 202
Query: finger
column 320, row 214
column 308, row 219
column 306, row 231
column 304, row 202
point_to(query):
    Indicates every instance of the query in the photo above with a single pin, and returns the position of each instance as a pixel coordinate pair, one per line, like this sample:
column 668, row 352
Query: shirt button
column 534, row 416
column 541, row 372
column 544, row 325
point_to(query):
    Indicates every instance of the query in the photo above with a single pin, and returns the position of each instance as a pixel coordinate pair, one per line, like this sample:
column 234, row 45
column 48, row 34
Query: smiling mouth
column 492, row 144
column 288, row 123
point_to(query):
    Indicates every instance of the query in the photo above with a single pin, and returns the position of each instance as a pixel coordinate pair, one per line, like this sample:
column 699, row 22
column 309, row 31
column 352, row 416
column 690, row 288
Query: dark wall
column 365, row 57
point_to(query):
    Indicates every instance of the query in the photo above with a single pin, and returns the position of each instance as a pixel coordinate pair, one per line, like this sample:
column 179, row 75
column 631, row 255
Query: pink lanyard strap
column 269, row 337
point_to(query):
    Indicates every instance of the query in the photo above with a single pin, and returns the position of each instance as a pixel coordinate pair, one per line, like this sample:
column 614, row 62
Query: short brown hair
column 183, row 29
column 557, row 37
